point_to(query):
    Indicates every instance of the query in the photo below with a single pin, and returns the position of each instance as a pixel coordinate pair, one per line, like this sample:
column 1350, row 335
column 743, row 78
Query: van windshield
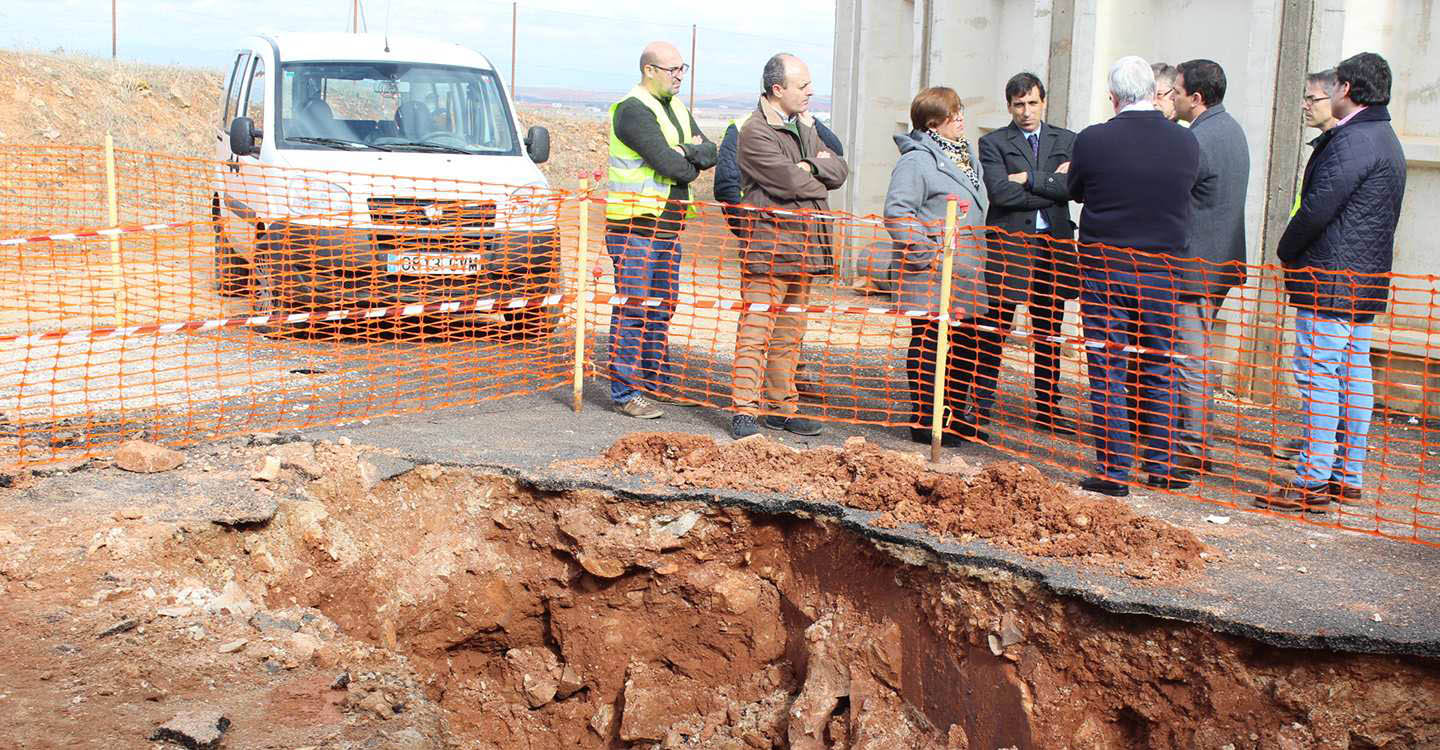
column 393, row 107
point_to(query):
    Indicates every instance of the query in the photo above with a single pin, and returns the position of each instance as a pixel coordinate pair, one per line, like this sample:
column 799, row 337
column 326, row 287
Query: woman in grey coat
column 937, row 162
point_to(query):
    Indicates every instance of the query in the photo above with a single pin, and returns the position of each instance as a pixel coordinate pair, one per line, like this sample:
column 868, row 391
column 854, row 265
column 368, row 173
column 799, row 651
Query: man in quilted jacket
column 1336, row 251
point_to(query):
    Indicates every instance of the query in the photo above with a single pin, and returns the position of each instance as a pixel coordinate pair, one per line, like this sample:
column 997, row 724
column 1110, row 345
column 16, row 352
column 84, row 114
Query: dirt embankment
column 1008, row 503
column 67, row 99
column 327, row 606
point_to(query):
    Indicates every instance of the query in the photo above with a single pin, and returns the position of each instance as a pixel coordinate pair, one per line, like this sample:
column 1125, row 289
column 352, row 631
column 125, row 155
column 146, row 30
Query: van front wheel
column 232, row 273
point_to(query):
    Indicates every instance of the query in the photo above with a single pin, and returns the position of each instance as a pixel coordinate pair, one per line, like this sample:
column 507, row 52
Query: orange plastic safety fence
column 233, row 297
column 1191, row 369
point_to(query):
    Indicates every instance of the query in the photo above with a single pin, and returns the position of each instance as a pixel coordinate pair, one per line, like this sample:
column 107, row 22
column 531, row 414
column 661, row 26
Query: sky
column 580, row 44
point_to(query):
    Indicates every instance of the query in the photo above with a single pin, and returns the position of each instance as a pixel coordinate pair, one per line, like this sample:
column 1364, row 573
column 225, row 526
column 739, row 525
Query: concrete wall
column 975, row 45
column 888, row 49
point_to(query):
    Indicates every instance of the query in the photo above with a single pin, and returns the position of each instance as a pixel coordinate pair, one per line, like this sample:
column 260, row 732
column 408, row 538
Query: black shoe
column 921, row 435
column 1104, row 487
column 967, row 424
column 1053, row 421
column 743, row 426
column 1173, row 482
column 796, row 425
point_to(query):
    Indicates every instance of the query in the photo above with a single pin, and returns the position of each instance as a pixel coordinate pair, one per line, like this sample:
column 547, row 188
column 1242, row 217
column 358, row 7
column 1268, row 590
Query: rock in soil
column 147, row 458
column 240, row 509
column 197, row 729
column 124, row 626
column 269, row 469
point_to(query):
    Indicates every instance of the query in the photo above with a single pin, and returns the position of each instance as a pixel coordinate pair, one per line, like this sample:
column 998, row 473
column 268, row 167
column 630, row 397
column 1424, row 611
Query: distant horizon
column 561, row 43
column 524, row 93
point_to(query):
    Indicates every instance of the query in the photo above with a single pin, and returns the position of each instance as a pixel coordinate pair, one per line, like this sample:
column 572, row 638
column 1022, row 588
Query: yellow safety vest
column 636, row 189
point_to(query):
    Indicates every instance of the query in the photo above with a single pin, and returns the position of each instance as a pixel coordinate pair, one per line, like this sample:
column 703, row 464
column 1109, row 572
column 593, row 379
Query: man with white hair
column 1133, row 174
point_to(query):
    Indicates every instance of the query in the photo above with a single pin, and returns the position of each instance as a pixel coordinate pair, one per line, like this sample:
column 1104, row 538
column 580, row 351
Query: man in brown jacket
column 787, row 174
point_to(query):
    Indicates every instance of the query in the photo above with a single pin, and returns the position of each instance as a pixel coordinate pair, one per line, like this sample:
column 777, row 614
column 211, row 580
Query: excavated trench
column 578, row 619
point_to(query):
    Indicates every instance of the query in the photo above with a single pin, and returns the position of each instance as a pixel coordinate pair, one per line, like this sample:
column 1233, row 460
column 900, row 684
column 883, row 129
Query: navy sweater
column 1134, row 174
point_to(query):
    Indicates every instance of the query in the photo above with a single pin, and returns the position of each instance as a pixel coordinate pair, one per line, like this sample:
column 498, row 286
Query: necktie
column 1034, row 139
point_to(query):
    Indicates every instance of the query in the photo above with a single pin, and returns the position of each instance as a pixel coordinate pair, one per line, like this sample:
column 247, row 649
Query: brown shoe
column 640, row 407
column 1344, row 494
column 1293, row 498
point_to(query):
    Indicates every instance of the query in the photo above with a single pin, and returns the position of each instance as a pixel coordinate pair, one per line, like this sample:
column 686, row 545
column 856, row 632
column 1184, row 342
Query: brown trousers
column 767, row 343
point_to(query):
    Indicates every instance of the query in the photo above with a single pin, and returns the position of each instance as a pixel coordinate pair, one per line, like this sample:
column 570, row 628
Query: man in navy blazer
column 1026, row 165
column 1134, row 174
column 1338, row 251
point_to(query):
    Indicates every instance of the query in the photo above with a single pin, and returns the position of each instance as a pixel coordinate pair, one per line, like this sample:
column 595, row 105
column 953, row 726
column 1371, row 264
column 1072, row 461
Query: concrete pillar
column 1256, row 379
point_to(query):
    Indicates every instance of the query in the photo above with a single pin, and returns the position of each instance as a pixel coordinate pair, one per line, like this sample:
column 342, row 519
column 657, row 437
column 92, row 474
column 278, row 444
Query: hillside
column 66, row 99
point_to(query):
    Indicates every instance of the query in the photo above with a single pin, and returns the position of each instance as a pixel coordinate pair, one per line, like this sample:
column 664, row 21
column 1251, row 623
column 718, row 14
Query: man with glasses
column 1318, row 115
column 1316, row 103
column 656, row 152
column 1164, row 89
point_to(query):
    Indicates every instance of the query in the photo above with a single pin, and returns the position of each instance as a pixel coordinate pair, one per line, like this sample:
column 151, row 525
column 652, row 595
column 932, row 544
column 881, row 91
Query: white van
column 358, row 171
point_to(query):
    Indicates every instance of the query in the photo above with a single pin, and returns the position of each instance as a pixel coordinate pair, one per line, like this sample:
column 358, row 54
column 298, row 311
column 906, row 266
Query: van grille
column 469, row 215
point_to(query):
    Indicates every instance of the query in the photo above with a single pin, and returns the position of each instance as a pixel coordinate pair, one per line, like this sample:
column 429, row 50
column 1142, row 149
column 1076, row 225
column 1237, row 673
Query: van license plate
column 451, row 264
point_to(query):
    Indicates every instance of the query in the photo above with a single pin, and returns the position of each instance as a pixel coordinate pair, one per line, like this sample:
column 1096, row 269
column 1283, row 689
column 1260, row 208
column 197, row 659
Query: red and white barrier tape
column 91, row 234
column 725, row 304
column 493, row 304
column 489, row 305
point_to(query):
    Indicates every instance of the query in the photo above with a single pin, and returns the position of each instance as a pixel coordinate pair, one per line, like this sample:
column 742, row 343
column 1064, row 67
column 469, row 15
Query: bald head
column 661, row 68
column 786, row 79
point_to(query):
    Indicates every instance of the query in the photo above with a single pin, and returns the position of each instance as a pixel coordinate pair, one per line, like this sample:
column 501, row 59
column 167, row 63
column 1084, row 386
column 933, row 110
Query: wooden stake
column 942, row 344
column 582, row 273
column 117, row 290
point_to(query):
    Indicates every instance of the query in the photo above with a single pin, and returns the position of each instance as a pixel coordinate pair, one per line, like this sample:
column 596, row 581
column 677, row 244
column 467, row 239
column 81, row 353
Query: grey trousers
column 1195, row 318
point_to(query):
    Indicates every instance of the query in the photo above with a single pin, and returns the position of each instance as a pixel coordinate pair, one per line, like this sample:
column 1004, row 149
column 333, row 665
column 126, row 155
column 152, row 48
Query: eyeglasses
column 678, row 70
column 1315, row 99
column 1166, row 92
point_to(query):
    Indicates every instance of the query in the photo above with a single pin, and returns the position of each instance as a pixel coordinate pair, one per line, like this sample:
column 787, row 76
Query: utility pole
column 692, row 68
column 355, row 17
column 514, row 25
column 113, row 47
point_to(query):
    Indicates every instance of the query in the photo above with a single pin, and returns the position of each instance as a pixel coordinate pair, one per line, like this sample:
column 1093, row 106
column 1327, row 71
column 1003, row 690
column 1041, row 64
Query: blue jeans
column 1122, row 309
column 645, row 268
column 1332, row 369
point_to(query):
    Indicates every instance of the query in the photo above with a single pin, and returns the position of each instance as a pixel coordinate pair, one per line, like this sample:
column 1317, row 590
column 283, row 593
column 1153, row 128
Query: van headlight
column 310, row 196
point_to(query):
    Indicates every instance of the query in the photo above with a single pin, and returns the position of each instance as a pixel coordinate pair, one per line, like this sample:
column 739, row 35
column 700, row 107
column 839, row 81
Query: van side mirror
column 537, row 143
column 242, row 136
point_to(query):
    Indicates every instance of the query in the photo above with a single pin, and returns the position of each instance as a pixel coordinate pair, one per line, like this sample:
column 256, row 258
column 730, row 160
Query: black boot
column 969, row 424
column 1049, row 418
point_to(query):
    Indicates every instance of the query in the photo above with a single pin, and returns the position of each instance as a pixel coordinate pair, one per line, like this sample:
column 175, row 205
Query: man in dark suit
column 1025, row 166
column 1134, row 174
